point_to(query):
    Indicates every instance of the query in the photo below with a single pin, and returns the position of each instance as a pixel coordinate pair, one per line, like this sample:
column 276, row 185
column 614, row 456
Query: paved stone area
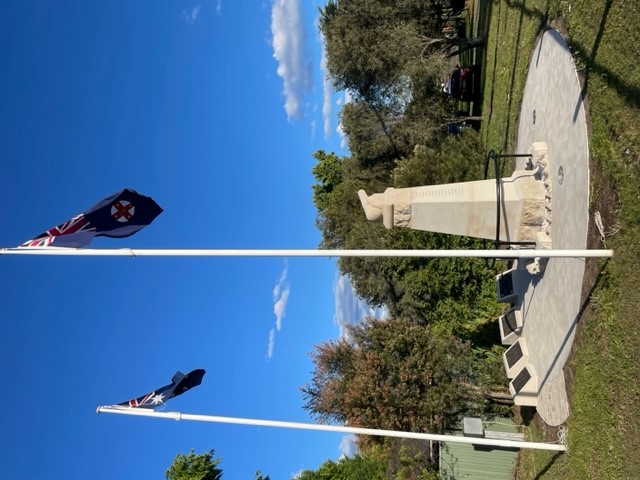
column 553, row 112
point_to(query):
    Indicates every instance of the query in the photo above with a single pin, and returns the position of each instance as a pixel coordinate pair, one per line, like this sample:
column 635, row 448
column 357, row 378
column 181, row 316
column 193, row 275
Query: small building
column 460, row 461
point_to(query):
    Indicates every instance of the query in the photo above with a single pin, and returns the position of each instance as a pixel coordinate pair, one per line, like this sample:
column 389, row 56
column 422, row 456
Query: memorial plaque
column 521, row 380
column 514, row 354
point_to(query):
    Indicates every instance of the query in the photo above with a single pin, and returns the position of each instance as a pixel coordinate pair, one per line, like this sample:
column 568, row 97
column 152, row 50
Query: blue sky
column 213, row 108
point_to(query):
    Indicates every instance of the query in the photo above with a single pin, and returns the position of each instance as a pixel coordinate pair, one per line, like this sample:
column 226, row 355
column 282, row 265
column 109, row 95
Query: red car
column 464, row 83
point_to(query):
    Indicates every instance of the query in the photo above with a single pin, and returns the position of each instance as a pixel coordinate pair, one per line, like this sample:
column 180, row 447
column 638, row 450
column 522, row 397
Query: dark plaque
column 509, row 323
column 521, row 380
column 513, row 354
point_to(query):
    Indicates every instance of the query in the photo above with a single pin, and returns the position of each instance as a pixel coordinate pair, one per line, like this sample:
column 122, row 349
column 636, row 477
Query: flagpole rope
column 167, row 252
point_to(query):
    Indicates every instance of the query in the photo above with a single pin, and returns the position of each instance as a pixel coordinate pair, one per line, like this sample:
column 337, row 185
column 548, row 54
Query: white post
column 168, row 252
column 331, row 428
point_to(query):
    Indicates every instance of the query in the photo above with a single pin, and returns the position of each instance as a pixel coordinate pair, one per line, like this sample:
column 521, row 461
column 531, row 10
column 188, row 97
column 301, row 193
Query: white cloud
column 219, row 7
column 313, row 128
column 282, row 279
column 290, row 50
column 350, row 309
column 191, row 17
column 280, row 306
column 280, row 296
column 348, row 447
column 327, row 90
column 271, row 343
column 346, row 98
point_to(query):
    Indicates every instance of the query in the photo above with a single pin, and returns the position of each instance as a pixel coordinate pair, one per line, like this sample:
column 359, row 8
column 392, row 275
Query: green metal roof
column 459, row 461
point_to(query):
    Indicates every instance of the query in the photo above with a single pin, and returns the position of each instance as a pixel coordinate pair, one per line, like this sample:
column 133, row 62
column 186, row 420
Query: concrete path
column 553, row 112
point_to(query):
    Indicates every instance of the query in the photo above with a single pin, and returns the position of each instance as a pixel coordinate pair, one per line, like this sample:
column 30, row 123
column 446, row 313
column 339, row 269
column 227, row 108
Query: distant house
column 459, row 461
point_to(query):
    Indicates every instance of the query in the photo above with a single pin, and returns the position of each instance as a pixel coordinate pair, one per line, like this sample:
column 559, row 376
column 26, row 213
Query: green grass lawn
column 604, row 370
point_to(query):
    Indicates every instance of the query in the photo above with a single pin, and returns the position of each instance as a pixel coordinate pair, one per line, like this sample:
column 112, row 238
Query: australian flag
column 120, row 215
column 180, row 383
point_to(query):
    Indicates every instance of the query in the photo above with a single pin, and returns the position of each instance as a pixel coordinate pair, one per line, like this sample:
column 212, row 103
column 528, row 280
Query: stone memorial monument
column 470, row 208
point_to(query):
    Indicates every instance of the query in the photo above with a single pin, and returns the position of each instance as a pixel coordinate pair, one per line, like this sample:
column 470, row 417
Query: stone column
column 470, row 208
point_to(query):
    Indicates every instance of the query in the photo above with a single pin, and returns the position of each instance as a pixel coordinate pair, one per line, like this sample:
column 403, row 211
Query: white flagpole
column 331, row 428
column 196, row 252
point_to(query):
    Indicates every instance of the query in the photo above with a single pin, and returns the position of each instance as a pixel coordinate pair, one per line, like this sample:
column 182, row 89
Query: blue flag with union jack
column 180, row 383
column 119, row 215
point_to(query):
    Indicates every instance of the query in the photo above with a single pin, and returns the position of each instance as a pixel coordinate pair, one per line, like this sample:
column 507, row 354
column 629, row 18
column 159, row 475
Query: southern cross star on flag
column 119, row 215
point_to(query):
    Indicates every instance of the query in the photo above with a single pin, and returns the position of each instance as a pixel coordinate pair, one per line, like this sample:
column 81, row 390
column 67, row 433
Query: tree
column 371, row 44
column 451, row 291
column 358, row 467
column 335, row 196
column 392, row 375
column 374, row 46
column 329, row 172
column 457, row 158
column 195, row 467
column 366, row 47
column 370, row 132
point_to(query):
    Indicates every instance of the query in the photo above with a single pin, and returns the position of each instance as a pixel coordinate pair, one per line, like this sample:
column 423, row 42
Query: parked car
column 456, row 128
column 463, row 83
